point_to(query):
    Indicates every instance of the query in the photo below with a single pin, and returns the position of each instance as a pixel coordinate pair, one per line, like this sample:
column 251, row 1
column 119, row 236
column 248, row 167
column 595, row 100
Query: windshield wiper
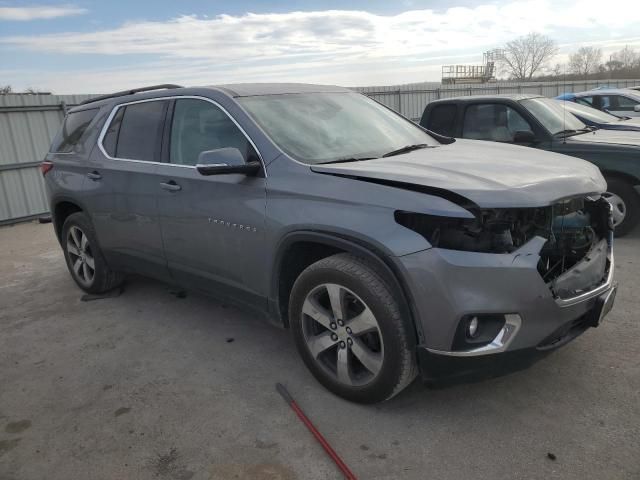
column 347, row 160
column 566, row 133
column 405, row 149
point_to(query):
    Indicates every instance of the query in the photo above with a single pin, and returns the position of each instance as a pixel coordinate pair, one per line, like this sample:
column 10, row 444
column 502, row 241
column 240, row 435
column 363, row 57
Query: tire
column 370, row 357
column 626, row 205
column 84, row 259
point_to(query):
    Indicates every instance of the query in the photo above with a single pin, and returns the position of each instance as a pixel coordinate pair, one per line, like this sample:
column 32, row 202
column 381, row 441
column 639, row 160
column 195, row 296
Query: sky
column 96, row 47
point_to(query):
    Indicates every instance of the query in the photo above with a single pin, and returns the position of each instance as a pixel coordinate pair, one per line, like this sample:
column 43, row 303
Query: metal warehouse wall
column 411, row 99
column 28, row 123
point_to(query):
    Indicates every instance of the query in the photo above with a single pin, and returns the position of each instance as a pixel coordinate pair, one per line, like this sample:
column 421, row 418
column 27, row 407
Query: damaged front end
column 575, row 237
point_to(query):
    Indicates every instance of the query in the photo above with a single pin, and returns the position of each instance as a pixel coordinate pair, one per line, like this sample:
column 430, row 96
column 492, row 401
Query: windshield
column 324, row 127
column 589, row 113
column 551, row 115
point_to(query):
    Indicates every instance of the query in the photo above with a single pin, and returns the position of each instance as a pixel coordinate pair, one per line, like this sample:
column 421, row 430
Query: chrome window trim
column 114, row 110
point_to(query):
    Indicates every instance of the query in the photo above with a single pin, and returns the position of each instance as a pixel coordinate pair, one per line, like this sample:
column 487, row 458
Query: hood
column 617, row 137
column 491, row 175
column 632, row 122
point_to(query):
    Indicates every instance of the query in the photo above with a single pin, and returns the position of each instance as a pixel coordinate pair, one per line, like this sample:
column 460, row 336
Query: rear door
column 123, row 184
column 212, row 226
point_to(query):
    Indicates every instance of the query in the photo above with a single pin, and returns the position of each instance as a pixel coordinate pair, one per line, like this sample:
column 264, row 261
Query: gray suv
column 389, row 251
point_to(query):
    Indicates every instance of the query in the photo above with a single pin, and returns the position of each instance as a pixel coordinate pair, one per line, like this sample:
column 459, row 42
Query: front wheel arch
column 335, row 243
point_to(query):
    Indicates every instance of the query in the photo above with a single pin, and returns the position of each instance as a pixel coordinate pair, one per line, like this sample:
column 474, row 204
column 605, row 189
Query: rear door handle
column 94, row 175
column 170, row 185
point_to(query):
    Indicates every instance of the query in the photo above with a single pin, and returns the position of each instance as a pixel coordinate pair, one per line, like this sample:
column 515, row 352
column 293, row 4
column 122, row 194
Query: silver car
column 387, row 250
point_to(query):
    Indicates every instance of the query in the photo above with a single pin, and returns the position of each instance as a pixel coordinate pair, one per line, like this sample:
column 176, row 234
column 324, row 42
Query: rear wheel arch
column 61, row 210
column 298, row 250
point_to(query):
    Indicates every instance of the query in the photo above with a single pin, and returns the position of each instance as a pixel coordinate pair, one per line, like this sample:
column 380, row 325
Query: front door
column 122, row 186
column 212, row 226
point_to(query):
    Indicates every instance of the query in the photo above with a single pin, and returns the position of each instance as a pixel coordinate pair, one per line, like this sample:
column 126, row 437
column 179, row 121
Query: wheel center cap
column 342, row 333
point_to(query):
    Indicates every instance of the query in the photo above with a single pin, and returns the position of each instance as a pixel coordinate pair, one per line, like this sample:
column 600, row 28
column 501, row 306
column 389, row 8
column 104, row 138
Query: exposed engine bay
column 578, row 231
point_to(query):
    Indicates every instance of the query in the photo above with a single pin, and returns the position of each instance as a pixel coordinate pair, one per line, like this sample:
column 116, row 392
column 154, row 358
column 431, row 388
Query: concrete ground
column 150, row 386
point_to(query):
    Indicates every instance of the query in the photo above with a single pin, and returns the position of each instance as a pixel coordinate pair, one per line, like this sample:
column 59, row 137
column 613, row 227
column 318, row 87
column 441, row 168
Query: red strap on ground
column 327, row 448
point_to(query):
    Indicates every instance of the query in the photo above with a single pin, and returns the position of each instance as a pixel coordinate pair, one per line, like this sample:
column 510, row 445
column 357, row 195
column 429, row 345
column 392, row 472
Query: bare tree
column 526, row 55
column 5, row 89
column 628, row 57
column 585, row 61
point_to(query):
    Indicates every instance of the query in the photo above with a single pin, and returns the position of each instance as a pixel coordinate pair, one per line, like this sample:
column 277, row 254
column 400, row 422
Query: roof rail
column 131, row 92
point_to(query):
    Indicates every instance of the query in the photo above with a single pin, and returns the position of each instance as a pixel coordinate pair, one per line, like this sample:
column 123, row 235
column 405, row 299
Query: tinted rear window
column 443, row 120
column 135, row 131
column 73, row 127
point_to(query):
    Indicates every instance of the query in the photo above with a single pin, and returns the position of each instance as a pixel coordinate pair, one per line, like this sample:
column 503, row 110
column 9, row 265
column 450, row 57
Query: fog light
column 472, row 327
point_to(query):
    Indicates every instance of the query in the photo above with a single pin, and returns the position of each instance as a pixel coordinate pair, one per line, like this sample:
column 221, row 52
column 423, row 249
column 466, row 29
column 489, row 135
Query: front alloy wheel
column 351, row 330
column 342, row 334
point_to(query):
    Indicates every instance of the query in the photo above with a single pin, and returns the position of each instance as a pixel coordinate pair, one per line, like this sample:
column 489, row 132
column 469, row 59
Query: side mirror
column 636, row 108
column 224, row 161
column 524, row 136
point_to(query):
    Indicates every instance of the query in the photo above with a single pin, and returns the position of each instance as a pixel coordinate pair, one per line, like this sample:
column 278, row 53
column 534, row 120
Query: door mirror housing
column 636, row 108
column 524, row 136
column 224, row 161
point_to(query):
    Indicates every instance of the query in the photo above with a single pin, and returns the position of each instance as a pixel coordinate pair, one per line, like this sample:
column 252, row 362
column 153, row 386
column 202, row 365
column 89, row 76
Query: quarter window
column 72, row 130
column 494, row 122
column 443, row 120
column 199, row 126
column 135, row 131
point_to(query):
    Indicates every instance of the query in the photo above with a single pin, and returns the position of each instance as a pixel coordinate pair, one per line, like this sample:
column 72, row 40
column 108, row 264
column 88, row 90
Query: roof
column 516, row 97
column 605, row 91
column 233, row 90
column 251, row 89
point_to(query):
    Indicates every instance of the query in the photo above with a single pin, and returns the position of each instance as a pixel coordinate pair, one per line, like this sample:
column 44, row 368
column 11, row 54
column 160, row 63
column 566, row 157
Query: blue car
column 596, row 118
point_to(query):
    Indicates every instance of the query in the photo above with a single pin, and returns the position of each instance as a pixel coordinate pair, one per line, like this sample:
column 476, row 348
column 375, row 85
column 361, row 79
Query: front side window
column 135, row 131
column 551, row 115
column 74, row 126
column 620, row 103
column 493, row 121
column 199, row 126
column 324, row 127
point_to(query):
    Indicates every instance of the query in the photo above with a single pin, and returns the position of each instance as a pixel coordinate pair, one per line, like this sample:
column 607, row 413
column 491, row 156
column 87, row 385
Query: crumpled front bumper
column 447, row 285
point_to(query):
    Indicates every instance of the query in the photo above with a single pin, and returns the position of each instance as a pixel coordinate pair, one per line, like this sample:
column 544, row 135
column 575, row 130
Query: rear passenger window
column 442, row 120
column 74, row 126
column 199, row 126
column 135, row 131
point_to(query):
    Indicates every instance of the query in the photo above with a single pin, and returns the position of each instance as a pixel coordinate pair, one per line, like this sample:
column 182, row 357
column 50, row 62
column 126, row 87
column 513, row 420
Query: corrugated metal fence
column 410, row 100
column 28, row 123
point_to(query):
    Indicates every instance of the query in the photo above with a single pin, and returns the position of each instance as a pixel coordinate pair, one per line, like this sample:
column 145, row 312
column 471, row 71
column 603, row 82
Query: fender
column 383, row 264
column 59, row 198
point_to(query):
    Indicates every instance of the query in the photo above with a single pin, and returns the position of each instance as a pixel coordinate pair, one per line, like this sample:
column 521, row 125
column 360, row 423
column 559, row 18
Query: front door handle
column 170, row 185
column 94, row 175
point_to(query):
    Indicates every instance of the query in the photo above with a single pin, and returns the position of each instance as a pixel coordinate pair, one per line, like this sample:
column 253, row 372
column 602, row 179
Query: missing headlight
column 491, row 231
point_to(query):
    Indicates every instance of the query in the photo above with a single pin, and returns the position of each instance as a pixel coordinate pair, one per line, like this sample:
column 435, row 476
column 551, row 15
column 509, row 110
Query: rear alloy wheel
column 349, row 330
column 84, row 258
column 625, row 205
column 81, row 257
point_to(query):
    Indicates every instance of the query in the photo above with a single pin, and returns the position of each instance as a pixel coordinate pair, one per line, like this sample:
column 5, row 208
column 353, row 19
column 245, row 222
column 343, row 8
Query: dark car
column 535, row 121
column 387, row 250
column 597, row 118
